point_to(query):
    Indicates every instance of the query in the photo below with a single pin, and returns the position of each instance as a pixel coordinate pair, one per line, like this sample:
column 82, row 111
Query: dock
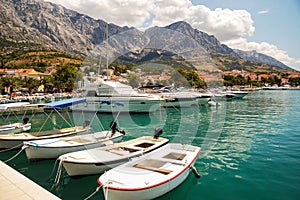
column 14, row 185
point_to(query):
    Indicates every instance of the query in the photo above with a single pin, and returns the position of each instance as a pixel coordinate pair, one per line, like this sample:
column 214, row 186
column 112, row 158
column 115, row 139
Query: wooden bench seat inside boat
column 153, row 165
column 53, row 132
column 175, row 156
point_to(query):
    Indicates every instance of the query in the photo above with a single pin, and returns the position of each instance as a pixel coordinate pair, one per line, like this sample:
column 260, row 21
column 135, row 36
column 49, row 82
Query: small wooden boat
column 151, row 175
column 53, row 148
column 97, row 160
column 18, row 127
column 15, row 128
column 16, row 140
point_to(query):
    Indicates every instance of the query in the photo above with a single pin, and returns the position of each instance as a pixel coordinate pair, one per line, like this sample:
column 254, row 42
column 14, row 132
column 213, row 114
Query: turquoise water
column 250, row 149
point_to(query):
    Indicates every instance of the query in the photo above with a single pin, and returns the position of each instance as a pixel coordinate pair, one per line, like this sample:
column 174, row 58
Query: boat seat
column 153, row 165
column 76, row 140
column 175, row 156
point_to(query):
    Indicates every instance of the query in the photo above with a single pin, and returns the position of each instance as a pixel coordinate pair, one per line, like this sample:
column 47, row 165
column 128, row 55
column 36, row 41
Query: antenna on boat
column 106, row 41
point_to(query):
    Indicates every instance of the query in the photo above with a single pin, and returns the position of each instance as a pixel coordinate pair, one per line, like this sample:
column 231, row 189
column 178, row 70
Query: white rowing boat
column 151, row 175
column 53, row 148
column 97, row 160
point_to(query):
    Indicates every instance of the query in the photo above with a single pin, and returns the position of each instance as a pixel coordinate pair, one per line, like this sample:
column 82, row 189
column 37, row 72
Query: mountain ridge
column 57, row 27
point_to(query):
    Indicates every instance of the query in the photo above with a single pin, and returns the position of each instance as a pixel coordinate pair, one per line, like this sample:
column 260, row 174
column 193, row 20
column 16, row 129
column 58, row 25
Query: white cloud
column 119, row 12
column 263, row 12
column 265, row 48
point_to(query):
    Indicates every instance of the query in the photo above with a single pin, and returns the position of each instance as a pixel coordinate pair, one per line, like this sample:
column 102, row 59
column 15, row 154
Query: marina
column 246, row 143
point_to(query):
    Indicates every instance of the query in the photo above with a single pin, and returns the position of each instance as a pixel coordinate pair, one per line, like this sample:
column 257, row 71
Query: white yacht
column 108, row 96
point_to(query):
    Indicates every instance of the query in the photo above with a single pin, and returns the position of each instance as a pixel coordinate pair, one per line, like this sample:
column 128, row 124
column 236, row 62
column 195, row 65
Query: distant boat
column 152, row 175
column 16, row 140
column 275, row 87
column 18, row 126
column 98, row 160
column 179, row 100
column 239, row 94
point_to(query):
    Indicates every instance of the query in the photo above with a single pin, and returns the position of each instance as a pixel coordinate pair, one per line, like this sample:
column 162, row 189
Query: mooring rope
column 53, row 169
column 15, row 147
column 97, row 190
column 58, row 175
column 24, row 147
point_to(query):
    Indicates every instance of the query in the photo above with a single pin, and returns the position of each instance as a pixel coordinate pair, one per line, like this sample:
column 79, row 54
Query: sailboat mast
column 106, row 51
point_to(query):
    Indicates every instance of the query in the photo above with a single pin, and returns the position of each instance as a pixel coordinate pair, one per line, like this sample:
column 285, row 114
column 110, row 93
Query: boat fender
column 196, row 173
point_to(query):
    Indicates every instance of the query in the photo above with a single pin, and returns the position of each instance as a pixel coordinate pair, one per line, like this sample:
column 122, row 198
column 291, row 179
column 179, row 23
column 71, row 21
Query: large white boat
column 106, row 96
column 98, row 160
column 151, row 175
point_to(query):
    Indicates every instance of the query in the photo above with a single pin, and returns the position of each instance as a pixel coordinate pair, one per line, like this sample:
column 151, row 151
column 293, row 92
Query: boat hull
column 150, row 176
column 15, row 128
column 97, row 161
column 75, row 169
column 36, row 152
column 148, row 193
column 131, row 105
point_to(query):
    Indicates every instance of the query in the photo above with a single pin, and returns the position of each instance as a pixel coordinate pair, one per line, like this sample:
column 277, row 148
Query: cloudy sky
column 267, row 26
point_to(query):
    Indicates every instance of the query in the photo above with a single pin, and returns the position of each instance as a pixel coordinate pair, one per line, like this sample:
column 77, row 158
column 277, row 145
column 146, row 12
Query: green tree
column 65, row 77
column 9, row 82
column 47, row 82
column 30, row 83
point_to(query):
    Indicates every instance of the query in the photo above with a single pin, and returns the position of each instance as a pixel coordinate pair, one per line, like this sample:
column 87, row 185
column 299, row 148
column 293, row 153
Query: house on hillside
column 23, row 73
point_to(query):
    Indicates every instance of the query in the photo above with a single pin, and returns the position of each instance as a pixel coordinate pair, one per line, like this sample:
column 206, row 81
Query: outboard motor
column 157, row 133
column 86, row 123
column 113, row 126
column 25, row 120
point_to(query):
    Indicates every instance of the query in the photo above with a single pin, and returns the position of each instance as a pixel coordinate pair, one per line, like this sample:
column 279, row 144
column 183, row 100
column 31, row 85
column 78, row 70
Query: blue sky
column 267, row 26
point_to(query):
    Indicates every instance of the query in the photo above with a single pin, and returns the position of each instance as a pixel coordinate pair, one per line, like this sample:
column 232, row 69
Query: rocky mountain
column 52, row 25
column 261, row 58
column 55, row 27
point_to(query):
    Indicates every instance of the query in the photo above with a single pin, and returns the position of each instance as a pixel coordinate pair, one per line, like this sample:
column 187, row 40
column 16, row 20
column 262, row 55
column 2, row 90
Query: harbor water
column 250, row 148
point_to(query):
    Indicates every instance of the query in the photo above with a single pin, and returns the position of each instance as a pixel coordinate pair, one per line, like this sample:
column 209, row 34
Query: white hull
column 129, row 182
column 131, row 104
column 96, row 161
column 53, row 148
column 16, row 140
column 146, row 194
column 81, row 169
